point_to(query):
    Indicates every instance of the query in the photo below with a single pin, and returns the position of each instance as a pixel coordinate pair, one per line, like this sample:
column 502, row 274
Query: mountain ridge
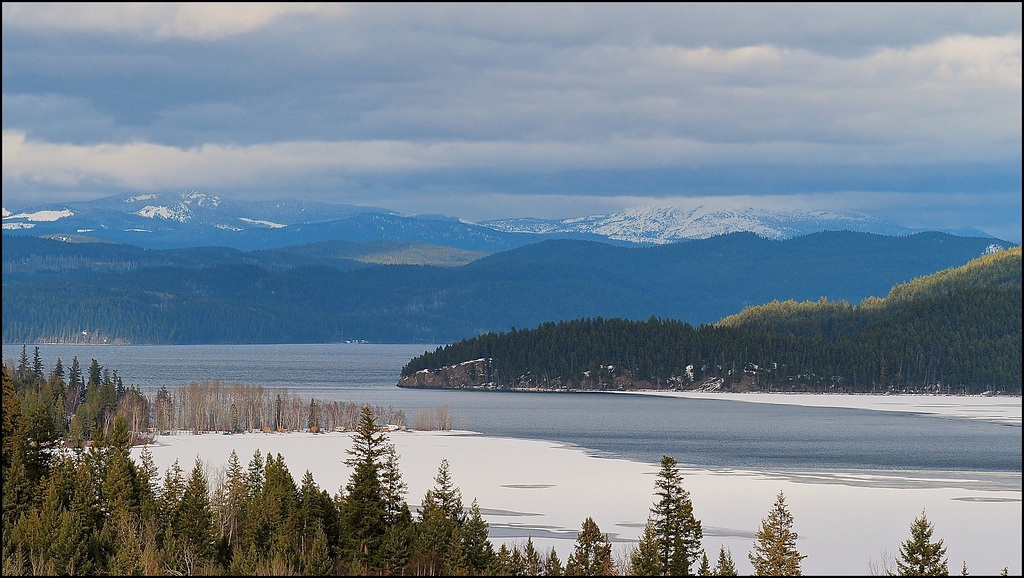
column 193, row 218
column 55, row 291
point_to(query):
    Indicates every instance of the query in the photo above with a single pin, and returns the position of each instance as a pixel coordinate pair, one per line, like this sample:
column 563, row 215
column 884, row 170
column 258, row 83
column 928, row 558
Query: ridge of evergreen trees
column 964, row 338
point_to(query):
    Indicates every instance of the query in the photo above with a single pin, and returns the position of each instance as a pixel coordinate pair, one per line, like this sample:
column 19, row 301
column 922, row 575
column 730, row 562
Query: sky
column 907, row 112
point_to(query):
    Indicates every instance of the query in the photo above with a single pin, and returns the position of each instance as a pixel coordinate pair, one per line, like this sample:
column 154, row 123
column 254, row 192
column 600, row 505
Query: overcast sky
column 908, row 112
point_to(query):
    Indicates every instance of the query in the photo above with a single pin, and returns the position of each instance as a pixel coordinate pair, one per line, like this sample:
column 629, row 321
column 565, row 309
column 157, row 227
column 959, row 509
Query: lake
column 704, row 433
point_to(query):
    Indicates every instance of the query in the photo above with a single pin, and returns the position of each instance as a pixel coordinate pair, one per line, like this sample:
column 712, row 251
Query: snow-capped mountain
column 668, row 224
column 192, row 218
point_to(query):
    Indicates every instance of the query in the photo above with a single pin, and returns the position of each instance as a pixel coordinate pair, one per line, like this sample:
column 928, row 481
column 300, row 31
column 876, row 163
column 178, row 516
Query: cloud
column 188, row 20
column 463, row 101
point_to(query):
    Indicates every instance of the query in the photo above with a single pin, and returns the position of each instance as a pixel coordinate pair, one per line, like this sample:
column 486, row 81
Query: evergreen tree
column 646, row 557
column 393, row 488
column 478, row 548
column 193, row 527
column 76, row 386
column 442, row 519
column 12, row 450
column 95, row 374
column 23, row 368
column 531, row 558
column 37, row 363
column 316, row 561
column 705, row 567
column 920, row 556
column 775, row 552
column 553, row 566
column 725, row 565
column 364, row 508
column 679, row 533
column 592, row 555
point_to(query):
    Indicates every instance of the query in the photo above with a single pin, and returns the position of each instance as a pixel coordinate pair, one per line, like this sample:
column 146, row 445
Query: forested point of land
column 956, row 331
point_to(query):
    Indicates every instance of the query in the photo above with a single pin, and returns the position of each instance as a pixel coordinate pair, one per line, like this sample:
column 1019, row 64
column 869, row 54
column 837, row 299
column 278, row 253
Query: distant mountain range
column 667, row 224
column 192, row 219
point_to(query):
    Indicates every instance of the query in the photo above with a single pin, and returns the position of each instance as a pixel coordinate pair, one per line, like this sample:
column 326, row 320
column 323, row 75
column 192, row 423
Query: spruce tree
column 194, row 524
column 442, row 518
column 364, row 512
column 919, row 556
column 553, row 566
column 679, row 533
column 37, row 363
column 592, row 554
column 705, row 567
column 725, row 565
column 478, row 548
column 775, row 552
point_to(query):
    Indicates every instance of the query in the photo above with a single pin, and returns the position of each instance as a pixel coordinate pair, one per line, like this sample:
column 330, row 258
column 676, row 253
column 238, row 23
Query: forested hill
column 327, row 292
column 958, row 330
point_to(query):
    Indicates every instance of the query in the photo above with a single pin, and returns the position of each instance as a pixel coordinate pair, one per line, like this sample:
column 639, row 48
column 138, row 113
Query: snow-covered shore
column 998, row 409
column 545, row 490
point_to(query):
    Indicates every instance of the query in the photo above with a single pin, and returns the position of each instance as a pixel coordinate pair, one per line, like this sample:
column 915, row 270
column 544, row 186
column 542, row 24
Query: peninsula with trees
column 955, row 331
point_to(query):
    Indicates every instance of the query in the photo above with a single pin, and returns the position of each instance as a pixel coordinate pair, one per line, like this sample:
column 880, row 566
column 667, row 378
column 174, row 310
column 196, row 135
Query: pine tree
column 679, row 533
column 592, row 555
column 919, row 556
column 775, row 552
column 725, row 565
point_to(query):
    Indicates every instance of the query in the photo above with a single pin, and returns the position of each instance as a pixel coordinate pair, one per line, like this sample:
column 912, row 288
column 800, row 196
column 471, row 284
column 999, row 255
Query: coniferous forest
column 81, row 504
column 956, row 331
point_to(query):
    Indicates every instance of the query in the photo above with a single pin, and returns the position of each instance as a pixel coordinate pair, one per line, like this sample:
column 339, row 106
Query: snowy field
column 847, row 520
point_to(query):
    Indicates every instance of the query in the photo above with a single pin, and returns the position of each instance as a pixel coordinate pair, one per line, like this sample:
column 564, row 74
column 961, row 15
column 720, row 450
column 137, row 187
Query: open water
column 703, row 433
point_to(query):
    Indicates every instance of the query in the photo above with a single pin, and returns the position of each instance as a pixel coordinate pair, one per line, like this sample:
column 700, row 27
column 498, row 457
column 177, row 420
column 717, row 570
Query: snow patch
column 138, row 198
column 179, row 213
column 270, row 224
column 660, row 224
column 47, row 216
column 14, row 226
column 6, row 212
column 84, row 230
